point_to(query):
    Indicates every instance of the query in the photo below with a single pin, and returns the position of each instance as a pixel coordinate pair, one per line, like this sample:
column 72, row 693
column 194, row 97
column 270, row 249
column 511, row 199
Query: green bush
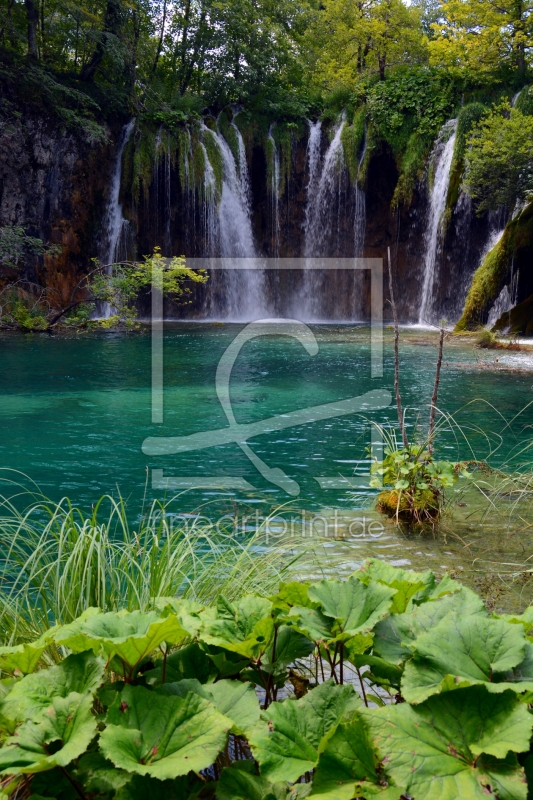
column 403, row 684
column 417, row 482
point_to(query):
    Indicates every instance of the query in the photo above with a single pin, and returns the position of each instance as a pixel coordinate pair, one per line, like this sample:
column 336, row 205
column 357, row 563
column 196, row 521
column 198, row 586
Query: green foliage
column 123, row 285
column 407, row 111
column 352, row 138
column 500, row 159
column 418, row 481
column 468, row 116
column 16, row 246
column 492, row 275
column 442, row 710
column 214, row 157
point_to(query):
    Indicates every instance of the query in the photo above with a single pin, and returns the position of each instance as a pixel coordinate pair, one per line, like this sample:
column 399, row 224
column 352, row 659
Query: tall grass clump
column 56, row 562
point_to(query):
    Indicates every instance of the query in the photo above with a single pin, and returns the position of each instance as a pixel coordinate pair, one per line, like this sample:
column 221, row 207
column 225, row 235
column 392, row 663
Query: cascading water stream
column 322, row 193
column 443, row 156
column 235, row 294
column 360, row 209
column 114, row 222
column 313, row 168
column 114, row 247
column 275, row 174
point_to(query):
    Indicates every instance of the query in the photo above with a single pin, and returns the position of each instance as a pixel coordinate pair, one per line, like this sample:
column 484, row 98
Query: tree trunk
column 32, row 15
column 112, row 22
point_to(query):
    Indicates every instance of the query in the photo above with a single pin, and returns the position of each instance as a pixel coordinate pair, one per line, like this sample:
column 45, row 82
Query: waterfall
column 209, row 206
column 234, row 294
column 114, row 222
column 323, row 195
column 274, row 192
column 442, row 158
column 114, row 243
column 313, row 165
column 360, row 209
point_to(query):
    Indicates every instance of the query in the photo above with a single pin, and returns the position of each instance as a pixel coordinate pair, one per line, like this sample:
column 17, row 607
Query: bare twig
column 401, row 421
column 431, row 431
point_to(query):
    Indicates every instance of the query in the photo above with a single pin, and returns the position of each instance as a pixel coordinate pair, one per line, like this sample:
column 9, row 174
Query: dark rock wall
column 53, row 184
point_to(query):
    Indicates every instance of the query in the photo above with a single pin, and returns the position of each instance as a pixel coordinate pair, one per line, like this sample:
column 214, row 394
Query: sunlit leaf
column 67, row 723
column 292, row 733
column 162, row 736
column 127, row 635
column 457, row 745
column 80, row 673
column 463, row 651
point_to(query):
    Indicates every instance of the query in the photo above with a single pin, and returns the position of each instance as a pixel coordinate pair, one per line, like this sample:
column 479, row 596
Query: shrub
column 404, row 685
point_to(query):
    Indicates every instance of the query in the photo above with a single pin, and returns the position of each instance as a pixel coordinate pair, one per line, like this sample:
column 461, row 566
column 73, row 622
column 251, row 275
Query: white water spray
column 322, row 193
column 114, row 222
column 236, row 294
column 432, row 239
column 114, row 246
column 274, row 192
column 360, row 209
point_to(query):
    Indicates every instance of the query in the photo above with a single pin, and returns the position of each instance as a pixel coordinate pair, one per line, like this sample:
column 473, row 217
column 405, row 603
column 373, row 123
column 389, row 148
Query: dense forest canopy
column 411, row 66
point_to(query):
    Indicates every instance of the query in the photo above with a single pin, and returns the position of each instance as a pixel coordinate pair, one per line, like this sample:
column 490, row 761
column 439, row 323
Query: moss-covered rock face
column 352, row 138
column 512, row 252
column 468, row 116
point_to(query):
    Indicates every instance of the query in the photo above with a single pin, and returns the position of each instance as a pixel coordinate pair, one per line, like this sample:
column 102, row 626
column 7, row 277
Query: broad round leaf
column 408, row 584
column 22, row 657
column 162, row 736
column 128, row 635
column 237, row 701
column 293, row 732
column 189, row 661
column 434, row 749
column 238, row 782
column 244, row 627
column 394, row 636
column 67, row 722
column 463, row 652
column 81, row 673
column 348, row 766
column 355, row 607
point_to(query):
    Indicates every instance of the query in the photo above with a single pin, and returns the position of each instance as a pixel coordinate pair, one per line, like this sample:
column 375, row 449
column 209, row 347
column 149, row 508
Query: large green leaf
column 162, row 736
column 245, row 627
column 409, row 585
column 141, row 787
column 67, row 721
column 525, row 619
column 23, row 658
column 238, row 782
column 289, row 595
column 98, row 775
column 394, row 636
column 287, row 646
column 456, row 745
column 312, row 623
column 189, row 661
column 128, row 635
column 463, row 652
column 80, row 673
column 348, row 766
column 293, row 732
column 237, row 701
column 187, row 611
column 354, row 606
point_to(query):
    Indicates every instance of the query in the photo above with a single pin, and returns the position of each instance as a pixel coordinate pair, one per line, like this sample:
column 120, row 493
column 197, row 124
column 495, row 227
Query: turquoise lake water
column 75, row 410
